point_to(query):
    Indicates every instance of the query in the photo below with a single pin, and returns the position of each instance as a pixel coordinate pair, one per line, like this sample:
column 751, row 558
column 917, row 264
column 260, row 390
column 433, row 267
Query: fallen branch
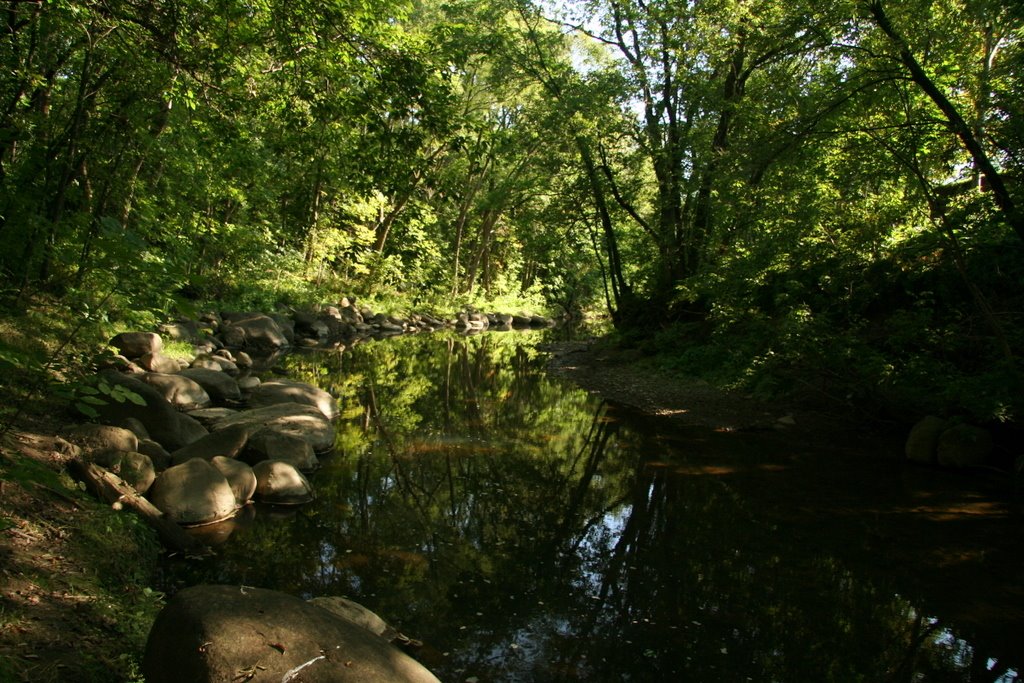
column 111, row 488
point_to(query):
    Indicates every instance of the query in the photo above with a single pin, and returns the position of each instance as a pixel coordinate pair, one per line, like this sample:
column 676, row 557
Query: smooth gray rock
column 281, row 483
column 165, row 425
column 220, row 386
column 923, row 439
column 964, row 446
column 157, row 454
column 91, row 437
column 362, row 616
column 255, row 331
column 207, row 416
column 158, row 362
column 227, row 442
column 193, row 493
column 208, row 634
column 137, row 344
column 136, row 469
column 239, row 475
column 278, row 391
column 269, row 444
column 303, row 421
column 180, row 391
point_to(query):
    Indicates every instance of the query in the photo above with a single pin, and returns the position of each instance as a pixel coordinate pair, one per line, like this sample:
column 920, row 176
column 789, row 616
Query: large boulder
column 280, row 483
column 208, row 634
column 92, row 437
column 278, row 391
column 364, row 617
column 221, row 387
column 165, row 425
column 193, row 493
column 207, row 416
column 964, row 445
column 254, row 331
column 158, row 362
column 924, row 439
column 137, row 344
column 269, row 444
column 303, row 421
column 181, row 392
column 239, row 475
column 228, row 443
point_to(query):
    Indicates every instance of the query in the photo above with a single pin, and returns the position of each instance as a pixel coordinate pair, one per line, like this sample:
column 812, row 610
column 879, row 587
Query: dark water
column 527, row 531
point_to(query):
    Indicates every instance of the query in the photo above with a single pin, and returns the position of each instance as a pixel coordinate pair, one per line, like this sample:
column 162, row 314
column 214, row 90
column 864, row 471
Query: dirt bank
column 626, row 379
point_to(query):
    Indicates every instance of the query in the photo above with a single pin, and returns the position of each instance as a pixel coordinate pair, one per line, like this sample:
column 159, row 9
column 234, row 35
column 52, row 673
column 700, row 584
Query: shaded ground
column 73, row 574
column 618, row 376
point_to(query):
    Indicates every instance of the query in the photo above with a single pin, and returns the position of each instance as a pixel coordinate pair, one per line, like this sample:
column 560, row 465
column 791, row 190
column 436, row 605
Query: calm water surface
column 525, row 530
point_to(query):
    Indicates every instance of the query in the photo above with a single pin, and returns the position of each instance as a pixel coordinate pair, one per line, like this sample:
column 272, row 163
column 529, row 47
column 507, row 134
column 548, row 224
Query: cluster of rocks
column 344, row 322
column 935, row 441
column 210, row 634
column 201, row 439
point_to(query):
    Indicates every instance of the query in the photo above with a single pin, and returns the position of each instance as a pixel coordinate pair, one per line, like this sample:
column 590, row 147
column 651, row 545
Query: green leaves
column 86, row 395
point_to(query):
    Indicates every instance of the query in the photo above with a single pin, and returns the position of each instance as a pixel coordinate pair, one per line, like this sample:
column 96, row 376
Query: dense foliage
column 821, row 197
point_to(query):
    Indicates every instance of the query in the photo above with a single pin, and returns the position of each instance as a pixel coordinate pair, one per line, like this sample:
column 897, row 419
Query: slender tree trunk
column 621, row 290
column 1000, row 193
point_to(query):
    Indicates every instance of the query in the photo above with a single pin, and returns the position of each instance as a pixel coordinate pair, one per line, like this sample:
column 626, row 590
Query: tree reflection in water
column 527, row 531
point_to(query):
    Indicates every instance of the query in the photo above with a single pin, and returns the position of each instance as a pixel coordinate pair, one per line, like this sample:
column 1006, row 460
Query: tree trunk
column 956, row 121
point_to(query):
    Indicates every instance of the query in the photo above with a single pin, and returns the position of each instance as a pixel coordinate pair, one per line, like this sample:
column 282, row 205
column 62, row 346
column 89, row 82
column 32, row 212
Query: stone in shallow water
column 288, row 391
column 268, row 444
column 281, row 483
column 193, row 493
column 303, row 421
column 239, row 475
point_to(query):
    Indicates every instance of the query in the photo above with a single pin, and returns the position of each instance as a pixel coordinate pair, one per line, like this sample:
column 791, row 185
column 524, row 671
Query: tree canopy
column 765, row 192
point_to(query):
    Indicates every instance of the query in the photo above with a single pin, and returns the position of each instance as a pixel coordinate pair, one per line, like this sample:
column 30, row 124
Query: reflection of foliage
column 519, row 526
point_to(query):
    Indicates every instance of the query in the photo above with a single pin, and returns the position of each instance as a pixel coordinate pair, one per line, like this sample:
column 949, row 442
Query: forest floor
column 74, row 601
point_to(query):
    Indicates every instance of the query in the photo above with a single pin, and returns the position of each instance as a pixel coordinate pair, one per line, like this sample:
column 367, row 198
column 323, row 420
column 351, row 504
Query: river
column 526, row 530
